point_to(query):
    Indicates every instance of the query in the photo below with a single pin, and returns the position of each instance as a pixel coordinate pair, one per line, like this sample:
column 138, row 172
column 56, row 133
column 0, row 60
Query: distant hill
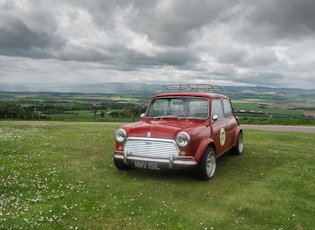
column 106, row 88
column 140, row 89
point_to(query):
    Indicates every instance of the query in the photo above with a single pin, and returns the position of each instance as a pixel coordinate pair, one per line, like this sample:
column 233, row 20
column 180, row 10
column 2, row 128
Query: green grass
column 60, row 175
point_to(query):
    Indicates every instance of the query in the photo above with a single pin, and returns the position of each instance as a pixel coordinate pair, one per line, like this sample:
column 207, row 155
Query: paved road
column 282, row 128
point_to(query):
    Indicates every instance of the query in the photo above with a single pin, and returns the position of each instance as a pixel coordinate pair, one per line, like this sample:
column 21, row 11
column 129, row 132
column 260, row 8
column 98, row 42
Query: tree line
column 17, row 110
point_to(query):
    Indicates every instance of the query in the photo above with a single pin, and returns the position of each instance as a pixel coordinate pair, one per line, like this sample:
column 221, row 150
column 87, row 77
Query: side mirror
column 215, row 117
column 142, row 115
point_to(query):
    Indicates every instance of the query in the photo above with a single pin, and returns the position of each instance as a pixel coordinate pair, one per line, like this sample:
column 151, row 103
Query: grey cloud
column 262, row 58
column 225, row 40
column 177, row 58
column 177, row 24
column 19, row 39
column 265, row 78
column 282, row 19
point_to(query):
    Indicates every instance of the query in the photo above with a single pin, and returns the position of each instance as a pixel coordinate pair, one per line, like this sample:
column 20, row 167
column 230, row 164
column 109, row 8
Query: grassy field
column 60, row 175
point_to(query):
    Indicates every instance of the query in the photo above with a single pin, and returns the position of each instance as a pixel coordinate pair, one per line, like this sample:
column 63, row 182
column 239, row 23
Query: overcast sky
column 227, row 42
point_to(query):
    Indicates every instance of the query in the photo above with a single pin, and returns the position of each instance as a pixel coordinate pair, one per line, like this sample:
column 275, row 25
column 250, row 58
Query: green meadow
column 60, row 175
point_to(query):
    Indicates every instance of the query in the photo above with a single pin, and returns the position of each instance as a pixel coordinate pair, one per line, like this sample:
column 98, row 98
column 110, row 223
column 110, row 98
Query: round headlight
column 182, row 139
column 121, row 135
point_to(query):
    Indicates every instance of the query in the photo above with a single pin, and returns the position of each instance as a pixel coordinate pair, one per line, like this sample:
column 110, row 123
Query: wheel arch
column 204, row 144
column 238, row 130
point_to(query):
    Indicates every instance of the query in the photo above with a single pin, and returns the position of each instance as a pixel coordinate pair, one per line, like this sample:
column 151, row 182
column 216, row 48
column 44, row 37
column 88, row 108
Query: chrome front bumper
column 163, row 152
column 172, row 162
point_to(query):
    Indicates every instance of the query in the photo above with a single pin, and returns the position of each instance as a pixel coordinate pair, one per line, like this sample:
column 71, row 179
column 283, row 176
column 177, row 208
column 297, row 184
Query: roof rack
column 193, row 88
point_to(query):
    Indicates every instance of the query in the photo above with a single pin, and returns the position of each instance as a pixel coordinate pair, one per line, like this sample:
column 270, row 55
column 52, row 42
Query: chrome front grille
column 150, row 147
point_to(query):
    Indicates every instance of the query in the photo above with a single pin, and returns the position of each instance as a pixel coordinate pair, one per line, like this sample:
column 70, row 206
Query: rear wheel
column 207, row 165
column 238, row 148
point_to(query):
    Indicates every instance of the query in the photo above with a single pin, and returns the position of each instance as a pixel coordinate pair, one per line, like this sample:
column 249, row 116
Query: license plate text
column 146, row 165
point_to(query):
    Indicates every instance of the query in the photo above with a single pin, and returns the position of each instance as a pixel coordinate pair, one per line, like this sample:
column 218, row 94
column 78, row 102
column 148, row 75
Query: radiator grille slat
column 151, row 147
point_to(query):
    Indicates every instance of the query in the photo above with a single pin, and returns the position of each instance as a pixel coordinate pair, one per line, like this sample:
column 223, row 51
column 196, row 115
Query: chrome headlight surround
column 182, row 139
column 121, row 135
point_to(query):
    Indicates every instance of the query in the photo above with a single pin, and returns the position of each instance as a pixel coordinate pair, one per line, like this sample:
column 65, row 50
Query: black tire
column 120, row 165
column 238, row 148
column 207, row 165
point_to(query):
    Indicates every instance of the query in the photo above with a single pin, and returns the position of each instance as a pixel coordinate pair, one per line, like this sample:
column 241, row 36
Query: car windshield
column 195, row 108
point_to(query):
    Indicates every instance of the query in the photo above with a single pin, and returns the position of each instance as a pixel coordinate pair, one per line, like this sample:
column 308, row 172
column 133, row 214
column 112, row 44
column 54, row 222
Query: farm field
column 60, row 175
column 274, row 107
column 250, row 106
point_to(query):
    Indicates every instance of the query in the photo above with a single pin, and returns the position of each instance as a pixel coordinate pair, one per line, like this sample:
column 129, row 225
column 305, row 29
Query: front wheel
column 120, row 165
column 207, row 165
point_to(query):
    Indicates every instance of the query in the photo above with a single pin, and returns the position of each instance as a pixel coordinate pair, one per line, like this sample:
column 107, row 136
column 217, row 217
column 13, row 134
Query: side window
column 227, row 108
column 216, row 108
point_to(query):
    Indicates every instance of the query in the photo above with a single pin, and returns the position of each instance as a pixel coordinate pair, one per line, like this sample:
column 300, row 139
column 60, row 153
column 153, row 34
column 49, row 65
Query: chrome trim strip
column 151, row 139
column 191, row 162
column 125, row 156
column 171, row 161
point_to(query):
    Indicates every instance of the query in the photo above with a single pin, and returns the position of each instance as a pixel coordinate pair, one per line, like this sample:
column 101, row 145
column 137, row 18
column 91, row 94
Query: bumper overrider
column 153, row 153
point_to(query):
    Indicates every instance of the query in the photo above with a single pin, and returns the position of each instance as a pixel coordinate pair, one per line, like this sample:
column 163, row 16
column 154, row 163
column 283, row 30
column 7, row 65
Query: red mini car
column 187, row 128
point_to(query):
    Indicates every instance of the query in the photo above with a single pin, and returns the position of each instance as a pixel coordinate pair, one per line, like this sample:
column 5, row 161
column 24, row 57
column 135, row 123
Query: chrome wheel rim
column 211, row 164
column 240, row 143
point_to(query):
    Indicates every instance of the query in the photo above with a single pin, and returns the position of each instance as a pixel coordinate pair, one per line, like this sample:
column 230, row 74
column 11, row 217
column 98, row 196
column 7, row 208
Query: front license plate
column 146, row 165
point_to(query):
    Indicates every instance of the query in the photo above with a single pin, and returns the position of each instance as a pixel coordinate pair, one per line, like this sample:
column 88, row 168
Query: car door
column 230, row 122
column 219, row 126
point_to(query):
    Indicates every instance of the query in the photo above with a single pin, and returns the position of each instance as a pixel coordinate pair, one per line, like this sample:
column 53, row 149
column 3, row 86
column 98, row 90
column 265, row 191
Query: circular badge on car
column 222, row 136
